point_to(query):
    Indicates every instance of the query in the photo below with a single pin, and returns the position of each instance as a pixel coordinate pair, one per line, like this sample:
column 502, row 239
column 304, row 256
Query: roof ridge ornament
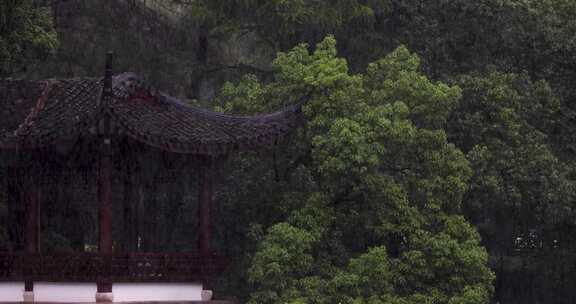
column 104, row 123
column 106, row 97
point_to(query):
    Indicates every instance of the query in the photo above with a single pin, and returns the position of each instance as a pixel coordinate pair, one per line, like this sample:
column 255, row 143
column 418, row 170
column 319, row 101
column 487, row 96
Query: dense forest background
column 436, row 163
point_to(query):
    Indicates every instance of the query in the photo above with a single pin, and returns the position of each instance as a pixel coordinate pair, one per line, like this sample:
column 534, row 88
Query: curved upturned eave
column 181, row 128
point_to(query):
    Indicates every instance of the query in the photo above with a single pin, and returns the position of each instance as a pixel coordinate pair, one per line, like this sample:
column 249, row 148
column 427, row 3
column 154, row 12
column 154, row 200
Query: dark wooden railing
column 94, row 267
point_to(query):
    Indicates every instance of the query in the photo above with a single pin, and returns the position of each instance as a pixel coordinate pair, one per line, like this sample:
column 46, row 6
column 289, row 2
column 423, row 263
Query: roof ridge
column 40, row 104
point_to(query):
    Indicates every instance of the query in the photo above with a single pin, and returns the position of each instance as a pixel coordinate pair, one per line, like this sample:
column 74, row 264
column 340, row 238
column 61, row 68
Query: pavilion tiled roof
column 36, row 114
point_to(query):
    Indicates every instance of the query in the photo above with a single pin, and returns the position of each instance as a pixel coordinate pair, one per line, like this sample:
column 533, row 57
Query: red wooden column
column 105, row 203
column 205, row 201
column 31, row 197
column 105, row 214
column 105, row 169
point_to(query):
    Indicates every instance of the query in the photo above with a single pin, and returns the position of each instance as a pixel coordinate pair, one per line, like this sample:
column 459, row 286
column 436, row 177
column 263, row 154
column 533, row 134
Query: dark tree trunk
column 198, row 74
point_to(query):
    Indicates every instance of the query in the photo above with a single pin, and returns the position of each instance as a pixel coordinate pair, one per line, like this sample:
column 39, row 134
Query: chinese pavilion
column 42, row 120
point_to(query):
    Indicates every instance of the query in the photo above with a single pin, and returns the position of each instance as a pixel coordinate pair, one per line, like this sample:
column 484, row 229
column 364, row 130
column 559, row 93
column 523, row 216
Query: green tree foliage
column 520, row 190
column 27, row 35
column 502, row 125
column 384, row 225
